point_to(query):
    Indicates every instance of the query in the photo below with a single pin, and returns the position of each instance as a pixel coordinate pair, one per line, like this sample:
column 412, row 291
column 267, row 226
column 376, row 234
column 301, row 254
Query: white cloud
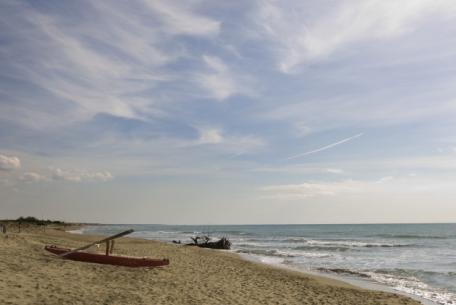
column 215, row 63
column 12, row 164
column 81, row 176
column 210, row 136
column 33, row 177
column 73, row 71
column 311, row 189
column 302, row 129
column 239, row 145
column 304, row 34
column 231, row 144
column 179, row 18
column 303, row 168
column 103, row 64
column 9, row 163
column 220, row 81
column 385, row 179
column 367, row 167
column 334, row 170
column 386, row 186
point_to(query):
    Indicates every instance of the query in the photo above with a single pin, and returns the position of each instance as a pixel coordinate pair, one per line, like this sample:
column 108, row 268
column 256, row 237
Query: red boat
column 128, row 261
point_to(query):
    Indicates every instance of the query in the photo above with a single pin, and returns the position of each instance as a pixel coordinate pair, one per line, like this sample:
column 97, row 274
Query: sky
column 228, row 112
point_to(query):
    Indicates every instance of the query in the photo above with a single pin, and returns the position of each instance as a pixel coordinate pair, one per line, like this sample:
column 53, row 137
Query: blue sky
column 228, row 112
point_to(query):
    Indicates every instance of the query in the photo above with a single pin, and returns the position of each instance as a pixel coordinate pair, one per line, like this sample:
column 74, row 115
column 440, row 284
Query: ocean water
column 418, row 259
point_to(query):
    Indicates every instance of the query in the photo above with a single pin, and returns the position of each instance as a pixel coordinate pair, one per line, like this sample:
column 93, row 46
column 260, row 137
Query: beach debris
column 222, row 244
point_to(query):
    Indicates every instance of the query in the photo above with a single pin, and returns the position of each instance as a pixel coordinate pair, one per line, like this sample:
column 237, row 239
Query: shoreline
column 195, row 276
column 371, row 285
column 357, row 282
column 352, row 280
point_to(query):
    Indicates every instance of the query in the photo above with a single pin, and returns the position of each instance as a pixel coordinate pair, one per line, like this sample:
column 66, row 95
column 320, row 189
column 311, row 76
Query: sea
column 416, row 259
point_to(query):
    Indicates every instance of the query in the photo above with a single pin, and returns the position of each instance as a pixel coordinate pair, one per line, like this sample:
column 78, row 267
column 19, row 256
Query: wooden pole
column 112, row 246
column 98, row 242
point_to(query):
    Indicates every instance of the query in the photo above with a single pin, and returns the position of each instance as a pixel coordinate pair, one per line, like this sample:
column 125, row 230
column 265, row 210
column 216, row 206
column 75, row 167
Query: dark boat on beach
column 99, row 258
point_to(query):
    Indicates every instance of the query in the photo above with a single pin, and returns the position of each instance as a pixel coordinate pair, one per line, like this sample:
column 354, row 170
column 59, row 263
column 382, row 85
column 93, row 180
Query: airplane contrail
column 325, row 147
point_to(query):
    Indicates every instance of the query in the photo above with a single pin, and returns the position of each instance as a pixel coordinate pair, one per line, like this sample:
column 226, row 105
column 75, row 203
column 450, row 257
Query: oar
column 98, row 242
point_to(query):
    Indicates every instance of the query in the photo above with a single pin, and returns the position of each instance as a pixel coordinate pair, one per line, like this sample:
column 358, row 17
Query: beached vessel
column 107, row 258
column 99, row 258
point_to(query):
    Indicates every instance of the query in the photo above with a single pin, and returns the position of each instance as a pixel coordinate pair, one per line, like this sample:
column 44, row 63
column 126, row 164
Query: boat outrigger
column 107, row 258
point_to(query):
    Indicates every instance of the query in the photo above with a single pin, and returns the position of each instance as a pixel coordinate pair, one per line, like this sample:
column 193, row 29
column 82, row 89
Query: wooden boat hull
column 99, row 258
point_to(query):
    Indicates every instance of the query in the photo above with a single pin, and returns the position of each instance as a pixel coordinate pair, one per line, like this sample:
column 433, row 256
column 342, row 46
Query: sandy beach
column 30, row 275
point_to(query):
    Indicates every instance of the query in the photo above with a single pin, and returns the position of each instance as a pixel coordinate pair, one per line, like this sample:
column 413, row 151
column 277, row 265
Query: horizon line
column 269, row 224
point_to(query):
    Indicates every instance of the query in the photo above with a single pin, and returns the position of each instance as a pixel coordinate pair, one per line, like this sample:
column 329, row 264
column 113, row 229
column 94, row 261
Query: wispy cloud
column 9, row 163
column 33, row 177
column 227, row 144
column 311, row 189
column 102, row 65
column 210, row 136
column 179, row 18
column 386, row 186
column 302, row 129
column 334, row 170
column 81, row 175
column 220, row 81
column 440, row 165
column 304, row 35
column 325, row 147
column 151, row 88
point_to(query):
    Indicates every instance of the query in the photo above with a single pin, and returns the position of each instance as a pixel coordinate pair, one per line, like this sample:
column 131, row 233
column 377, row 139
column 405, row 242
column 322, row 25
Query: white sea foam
column 348, row 243
column 76, row 231
column 270, row 260
column 414, row 286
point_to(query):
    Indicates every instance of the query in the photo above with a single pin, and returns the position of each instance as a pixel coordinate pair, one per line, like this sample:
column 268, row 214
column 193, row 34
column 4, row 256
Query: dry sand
column 30, row 275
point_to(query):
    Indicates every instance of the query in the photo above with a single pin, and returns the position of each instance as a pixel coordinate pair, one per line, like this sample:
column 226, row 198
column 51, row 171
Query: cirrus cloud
column 304, row 35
